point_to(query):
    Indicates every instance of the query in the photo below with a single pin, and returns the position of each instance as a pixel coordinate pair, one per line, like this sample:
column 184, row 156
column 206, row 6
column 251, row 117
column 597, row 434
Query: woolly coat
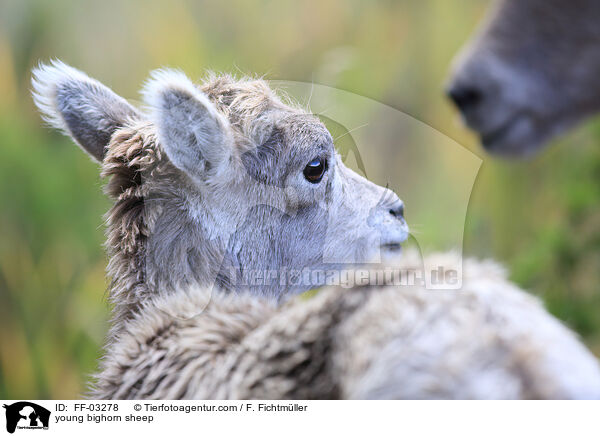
column 486, row 340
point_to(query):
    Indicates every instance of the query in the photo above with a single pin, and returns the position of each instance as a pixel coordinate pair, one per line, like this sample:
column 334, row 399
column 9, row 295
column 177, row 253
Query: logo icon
column 26, row 415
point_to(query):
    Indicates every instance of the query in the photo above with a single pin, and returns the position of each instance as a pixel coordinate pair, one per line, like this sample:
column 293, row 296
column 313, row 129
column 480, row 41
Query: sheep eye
column 313, row 172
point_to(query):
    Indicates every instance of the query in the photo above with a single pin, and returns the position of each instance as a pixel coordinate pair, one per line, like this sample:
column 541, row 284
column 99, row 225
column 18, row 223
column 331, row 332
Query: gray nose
column 397, row 211
column 465, row 97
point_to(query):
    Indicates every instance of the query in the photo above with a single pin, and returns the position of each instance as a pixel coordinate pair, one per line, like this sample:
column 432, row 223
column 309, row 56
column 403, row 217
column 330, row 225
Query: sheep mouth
column 393, row 247
column 500, row 138
column 490, row 140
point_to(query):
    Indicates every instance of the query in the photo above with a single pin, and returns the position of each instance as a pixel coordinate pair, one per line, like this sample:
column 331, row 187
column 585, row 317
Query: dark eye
column 313, row 172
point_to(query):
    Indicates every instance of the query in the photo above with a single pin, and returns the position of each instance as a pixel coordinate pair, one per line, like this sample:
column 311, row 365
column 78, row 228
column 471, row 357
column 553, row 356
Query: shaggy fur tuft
column 131, row 159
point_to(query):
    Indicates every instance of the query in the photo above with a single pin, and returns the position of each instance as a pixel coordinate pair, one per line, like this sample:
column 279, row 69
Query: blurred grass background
column 541, row 217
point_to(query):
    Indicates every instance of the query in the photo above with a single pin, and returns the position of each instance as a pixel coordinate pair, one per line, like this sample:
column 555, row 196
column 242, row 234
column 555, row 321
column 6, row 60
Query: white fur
column 45, row 81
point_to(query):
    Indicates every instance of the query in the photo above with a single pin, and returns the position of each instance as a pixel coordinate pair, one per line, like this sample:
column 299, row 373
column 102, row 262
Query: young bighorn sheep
column 529, row 73
column 217, row 182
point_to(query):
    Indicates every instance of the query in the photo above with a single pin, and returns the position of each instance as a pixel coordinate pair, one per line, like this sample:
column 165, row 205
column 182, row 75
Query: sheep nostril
column 465, row 97
column 397, row 212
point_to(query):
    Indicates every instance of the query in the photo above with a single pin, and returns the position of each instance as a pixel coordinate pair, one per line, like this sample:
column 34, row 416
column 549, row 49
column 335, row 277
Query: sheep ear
column 81, row 107
column 195, row 136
